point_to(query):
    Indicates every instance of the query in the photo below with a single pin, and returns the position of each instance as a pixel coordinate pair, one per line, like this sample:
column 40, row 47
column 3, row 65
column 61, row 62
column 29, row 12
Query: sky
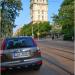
column 24, row 16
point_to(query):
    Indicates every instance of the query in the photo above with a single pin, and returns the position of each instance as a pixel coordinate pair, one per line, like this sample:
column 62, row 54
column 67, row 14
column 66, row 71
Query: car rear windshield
column 20, row 43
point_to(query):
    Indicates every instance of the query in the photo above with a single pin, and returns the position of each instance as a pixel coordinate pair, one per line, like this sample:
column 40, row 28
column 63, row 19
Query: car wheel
column 36, row 68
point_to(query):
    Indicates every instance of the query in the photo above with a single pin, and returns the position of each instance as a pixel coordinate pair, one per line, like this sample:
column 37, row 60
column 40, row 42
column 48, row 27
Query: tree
column 65, row 18
column 10, row 9
column 42, row 28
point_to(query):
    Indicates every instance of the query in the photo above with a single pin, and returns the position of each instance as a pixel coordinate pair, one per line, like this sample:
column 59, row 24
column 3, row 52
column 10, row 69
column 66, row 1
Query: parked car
column 20, row 52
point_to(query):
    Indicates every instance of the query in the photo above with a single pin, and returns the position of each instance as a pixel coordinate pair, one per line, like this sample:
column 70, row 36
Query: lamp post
column 38, row 32
column 32, row 32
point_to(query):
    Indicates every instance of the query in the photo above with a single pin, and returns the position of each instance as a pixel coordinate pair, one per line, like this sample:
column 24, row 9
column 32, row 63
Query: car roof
column 19, row 37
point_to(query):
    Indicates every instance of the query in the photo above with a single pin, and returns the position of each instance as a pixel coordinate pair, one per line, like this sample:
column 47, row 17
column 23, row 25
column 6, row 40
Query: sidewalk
column 56, row 40
column 59, row 39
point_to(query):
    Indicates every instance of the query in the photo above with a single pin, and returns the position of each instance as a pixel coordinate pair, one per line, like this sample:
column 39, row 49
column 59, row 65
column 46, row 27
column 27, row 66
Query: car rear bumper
column 23, row 63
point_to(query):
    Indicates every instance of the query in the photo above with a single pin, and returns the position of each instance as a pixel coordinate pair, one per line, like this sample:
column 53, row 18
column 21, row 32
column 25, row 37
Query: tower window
column 42, row 17
column 38, row 11
column 42, row 12
column 38, row 17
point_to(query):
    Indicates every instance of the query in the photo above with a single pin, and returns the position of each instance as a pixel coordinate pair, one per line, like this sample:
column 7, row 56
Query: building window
column 38, row 17
column 46, row 0
column 42, row 11
column 42, row 17
column 38, row 11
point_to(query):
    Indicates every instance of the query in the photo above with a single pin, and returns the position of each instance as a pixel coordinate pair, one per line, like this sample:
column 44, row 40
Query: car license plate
column 21, row 54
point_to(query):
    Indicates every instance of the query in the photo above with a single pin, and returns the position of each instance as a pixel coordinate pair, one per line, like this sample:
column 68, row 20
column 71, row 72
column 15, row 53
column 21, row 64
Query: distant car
column 20, row 52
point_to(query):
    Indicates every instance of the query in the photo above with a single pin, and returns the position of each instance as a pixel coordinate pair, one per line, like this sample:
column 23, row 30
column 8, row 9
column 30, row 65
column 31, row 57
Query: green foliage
column 42, row 28
column 56, row 29
column 65, row 18
column 9, row 10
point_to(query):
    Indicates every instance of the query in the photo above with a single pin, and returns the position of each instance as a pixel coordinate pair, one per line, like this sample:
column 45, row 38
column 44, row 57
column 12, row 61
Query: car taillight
column 39, row 62
column 34, row 42
column 38, row 53
column 1, row 56
column 2, row 69
column 3, row 45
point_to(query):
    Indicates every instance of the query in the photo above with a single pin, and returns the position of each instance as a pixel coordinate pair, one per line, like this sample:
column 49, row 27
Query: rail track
column 61, row 50
column 49, row 61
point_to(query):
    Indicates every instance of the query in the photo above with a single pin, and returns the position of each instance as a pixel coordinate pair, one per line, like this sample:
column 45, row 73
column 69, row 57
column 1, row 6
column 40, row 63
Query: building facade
column 39, row 10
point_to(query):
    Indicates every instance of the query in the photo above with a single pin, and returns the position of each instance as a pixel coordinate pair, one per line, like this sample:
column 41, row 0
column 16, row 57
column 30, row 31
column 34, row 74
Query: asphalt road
column 58, row 59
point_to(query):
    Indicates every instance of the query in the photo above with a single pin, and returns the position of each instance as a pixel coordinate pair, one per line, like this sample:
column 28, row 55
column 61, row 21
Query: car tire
column 36, row 68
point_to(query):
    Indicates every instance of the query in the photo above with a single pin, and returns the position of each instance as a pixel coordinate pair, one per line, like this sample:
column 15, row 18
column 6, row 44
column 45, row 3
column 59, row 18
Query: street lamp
column 32, row 32
column 38, row 32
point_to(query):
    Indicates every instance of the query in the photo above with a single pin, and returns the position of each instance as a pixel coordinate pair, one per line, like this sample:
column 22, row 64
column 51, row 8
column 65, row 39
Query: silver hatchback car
column 20, row 52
